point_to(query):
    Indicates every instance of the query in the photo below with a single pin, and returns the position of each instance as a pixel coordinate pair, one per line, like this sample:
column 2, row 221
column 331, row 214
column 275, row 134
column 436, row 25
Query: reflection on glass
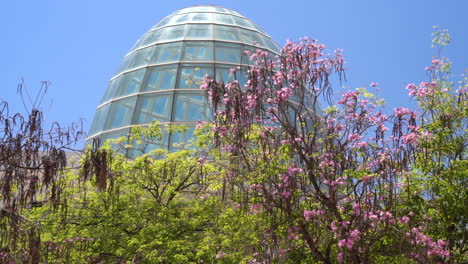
column 200, row 31
column 223, row 19
column 191, row 76
column 251, row 37
column 153, row 107
column 120, row 113
column 128, row 83
column 172, row 33
column 141, row 58
column 198, row 51
column 99, row 120
column 190, row 107
column 160, row 78
column 227, row 52
column 224, row 74
column 203, row 17
column 169, row 52
column 226, row 33
column 150, row 38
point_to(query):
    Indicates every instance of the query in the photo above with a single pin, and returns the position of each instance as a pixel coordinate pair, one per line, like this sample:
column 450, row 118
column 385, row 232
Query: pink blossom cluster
column 433, row 248
column 292, row 233
column 309, row 214
column 425, row 89
column 350, row 239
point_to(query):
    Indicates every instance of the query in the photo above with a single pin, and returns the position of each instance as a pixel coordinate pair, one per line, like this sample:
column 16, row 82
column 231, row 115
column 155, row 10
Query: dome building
column 159, row 78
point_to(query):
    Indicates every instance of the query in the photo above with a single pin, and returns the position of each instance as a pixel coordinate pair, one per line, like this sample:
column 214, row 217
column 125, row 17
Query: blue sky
column 77, row 45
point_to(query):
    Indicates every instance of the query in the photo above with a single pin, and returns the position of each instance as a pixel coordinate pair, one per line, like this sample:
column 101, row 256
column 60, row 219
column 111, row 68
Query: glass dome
column 159, row 78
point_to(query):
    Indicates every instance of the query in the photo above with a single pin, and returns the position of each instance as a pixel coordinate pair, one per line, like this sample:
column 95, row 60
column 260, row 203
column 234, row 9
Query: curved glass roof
column 159, row 78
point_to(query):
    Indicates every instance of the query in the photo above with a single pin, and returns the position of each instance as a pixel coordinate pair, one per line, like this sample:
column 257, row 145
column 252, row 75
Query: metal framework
column 159, row 78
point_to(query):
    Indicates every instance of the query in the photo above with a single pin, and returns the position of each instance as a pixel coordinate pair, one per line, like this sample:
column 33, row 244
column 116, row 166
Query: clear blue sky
column 77, row 45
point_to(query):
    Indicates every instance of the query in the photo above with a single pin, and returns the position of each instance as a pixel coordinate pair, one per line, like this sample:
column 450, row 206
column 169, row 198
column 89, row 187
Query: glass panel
column 190, row 107
column 173, row 33
column 242, row 22
column 223, row 19
column 125, row 62
column 163, row 22
column 153, row 107
column 151, row 38
column 198, row 51
column 128, row 83
column 250, row 37
column 200, row 31
column 257, row 27
column 220, row 9
column 120, row 113
column 182, row 18
column 201, row 18
column 110, row 90
column 226, row 52
column 246, row 57
column 191, row 76
column 203, row 8
column 169, row 52
column 179, row 139
column 141, row 57
column 160, row 78
column 226, row 33
column 223, row 74
column 99, row 120
column 233, row 12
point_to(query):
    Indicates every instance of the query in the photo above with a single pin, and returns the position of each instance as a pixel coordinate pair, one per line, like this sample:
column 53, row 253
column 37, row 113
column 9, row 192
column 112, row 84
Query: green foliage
column 258, row 203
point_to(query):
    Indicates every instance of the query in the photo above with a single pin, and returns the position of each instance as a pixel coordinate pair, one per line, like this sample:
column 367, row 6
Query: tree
column 32, row 160
column 337, row 181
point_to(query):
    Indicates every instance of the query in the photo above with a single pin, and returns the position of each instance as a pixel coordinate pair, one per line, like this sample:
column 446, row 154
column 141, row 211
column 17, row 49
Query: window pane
column 167, row 53
column 271, row 44
column 202, row 17
column 198, row 51
column 141, row 57
column 243, row 22
column 153, row 107
column 223, row 74
column 223, row 19
column 128, row 83
column 160, row 78
column 162, row 23
column 182, row 18
column 190, row 107
column 226, row 33
column 173, row 33
column 99, row 120
column 191, row 76
column 251, row 37
column 197, row 31
column 125, row 62
column 226, row 52
column 110, row 90
column 120, row 113
column 150, row 38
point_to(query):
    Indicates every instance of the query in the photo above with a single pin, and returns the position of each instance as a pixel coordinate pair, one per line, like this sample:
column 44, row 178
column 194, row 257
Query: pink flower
column 404, row 220
column 374, row 84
